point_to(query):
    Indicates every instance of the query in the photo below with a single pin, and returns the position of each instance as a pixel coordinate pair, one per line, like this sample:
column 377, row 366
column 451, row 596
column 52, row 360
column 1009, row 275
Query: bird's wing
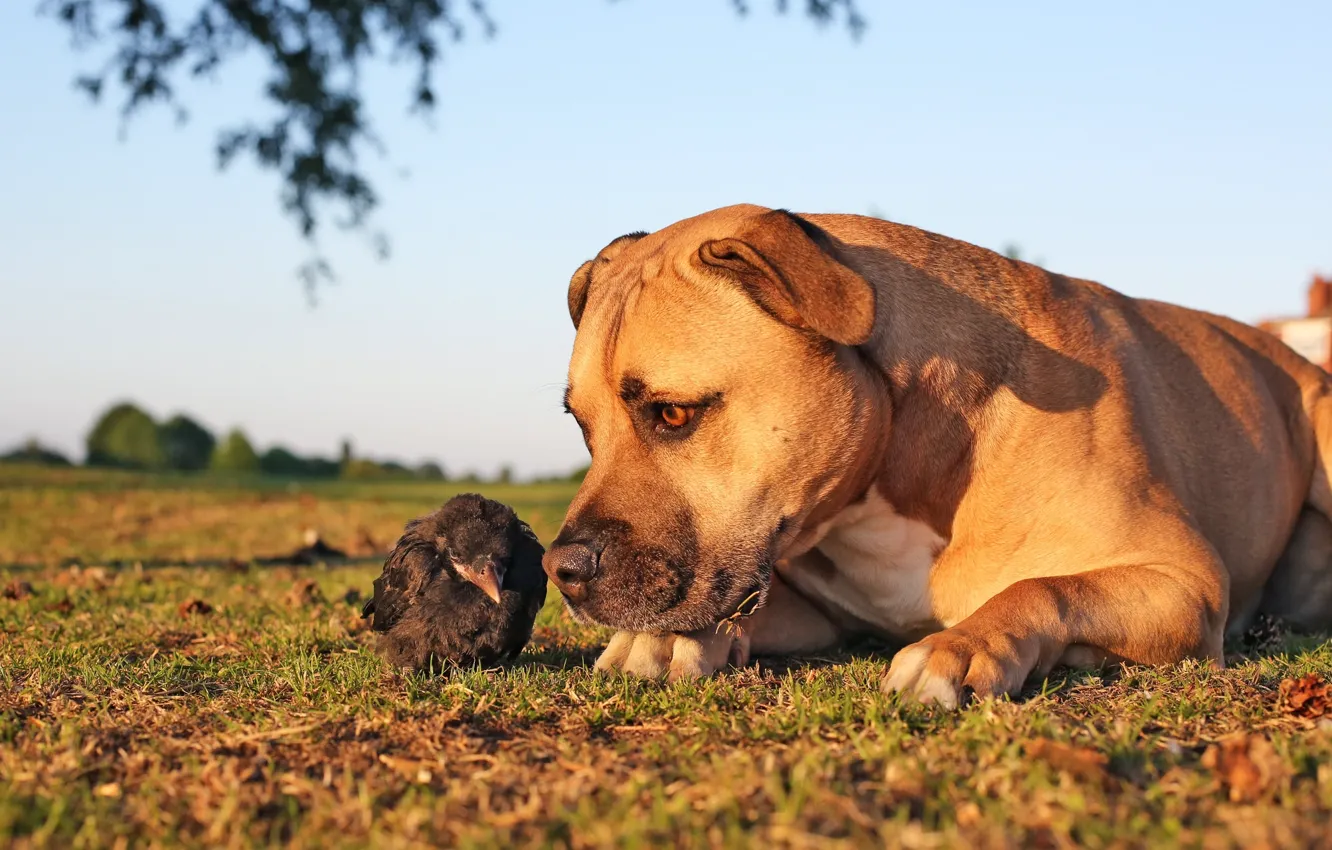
column 526, row 531
column 526, row 573
column 404, row 572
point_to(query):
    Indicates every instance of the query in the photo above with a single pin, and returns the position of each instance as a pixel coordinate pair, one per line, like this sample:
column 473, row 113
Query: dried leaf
column 1246, row 765
column 304, row 594
column 350, row 622
column 905, row 781
column 409, row 769
column 64, row 606
column 172, row 640
column 1265, row 633
column 17, row 590
column 1079, row 762
column 969, row 814
column 109, row 789
column 94, row 578
column 194, row 606
column 1308, row 696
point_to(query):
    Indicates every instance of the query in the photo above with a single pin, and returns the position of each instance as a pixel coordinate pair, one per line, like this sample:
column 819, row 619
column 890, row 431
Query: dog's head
column 715, row 379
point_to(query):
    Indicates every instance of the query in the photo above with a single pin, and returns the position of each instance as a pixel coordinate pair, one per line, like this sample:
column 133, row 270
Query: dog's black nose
column 571, row 566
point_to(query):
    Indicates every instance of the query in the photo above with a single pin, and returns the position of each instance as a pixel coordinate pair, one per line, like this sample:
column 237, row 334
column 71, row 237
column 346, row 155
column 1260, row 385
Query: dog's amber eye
column 675, row 415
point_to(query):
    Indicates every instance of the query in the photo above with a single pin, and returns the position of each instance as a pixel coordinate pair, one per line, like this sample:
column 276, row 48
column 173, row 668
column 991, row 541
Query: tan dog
column 871, row 428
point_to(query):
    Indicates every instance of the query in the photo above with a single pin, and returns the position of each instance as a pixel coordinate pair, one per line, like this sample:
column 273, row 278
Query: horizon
column 80, row 455
column 1175, row 153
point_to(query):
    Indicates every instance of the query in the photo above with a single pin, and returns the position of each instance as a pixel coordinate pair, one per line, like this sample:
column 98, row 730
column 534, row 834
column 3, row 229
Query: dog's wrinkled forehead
column 653, row 339
column 599, row 269
column 608, row 293
column 629, row 260
column 609, row 288
column 692, row 306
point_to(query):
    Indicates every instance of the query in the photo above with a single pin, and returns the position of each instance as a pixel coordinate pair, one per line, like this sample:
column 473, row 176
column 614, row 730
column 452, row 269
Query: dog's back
column 1225, row 417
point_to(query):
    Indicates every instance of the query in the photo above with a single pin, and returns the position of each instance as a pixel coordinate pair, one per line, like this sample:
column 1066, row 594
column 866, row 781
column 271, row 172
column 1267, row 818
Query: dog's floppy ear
column 582, row 279
column 578, row 286
column 791, row 269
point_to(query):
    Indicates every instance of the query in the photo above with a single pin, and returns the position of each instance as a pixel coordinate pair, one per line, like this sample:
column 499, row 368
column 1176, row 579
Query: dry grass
column 52, row 517
column 131, row 717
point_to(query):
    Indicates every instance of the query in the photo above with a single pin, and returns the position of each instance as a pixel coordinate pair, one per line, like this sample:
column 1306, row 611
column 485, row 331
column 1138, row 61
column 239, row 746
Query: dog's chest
column 881, row 568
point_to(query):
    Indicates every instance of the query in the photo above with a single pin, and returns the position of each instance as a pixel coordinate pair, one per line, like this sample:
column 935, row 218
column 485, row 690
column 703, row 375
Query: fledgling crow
column 462, row 585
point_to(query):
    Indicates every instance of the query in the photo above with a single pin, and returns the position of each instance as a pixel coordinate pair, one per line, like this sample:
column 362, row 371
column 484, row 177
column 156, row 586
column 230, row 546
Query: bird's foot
column 674, row 656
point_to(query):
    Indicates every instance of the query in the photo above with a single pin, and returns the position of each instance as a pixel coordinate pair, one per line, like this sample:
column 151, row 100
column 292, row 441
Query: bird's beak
column 488, row 576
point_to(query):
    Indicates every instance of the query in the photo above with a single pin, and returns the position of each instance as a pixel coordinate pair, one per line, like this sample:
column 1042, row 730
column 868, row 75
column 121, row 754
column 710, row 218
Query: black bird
column 462, row 585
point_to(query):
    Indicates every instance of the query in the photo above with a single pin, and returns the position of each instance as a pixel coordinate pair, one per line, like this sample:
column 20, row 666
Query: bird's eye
column 674, row 416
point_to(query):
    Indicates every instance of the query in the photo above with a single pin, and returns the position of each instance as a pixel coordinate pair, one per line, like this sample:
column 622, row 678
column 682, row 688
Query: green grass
column 269, row 720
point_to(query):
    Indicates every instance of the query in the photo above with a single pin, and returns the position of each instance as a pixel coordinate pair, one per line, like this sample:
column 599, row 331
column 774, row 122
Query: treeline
column 127, row 437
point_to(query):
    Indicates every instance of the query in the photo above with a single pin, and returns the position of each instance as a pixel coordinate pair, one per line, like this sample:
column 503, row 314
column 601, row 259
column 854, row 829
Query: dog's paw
column 687, row 656
column 945, row 667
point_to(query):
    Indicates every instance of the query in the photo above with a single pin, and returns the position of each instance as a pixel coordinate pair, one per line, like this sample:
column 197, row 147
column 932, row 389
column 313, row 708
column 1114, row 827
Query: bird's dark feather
column 428, row 616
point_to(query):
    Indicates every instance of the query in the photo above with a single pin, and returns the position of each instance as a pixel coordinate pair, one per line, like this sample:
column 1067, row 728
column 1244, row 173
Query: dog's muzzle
column 571, row 567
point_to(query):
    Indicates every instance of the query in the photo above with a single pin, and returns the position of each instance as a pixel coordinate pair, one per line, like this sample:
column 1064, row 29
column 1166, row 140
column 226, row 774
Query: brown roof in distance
column 1311, row 334
column 1320, row 296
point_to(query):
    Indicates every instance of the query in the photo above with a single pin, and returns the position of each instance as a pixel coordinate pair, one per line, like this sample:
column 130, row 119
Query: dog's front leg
column 1143, row 614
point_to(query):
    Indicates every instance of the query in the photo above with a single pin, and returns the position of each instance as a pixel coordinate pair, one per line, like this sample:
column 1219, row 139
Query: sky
column 1180, row 151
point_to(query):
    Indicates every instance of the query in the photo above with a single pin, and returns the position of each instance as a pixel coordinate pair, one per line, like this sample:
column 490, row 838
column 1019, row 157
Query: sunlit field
column 163, row 682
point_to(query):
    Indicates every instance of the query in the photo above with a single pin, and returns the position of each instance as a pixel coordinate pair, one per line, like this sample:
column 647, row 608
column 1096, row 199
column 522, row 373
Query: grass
column 53, row 517
column 129, row 719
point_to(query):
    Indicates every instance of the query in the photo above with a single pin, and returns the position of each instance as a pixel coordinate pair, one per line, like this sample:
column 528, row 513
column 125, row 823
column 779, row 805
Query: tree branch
column 314, row 51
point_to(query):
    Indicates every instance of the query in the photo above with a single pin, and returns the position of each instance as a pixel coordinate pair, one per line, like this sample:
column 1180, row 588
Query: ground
column 158, row 688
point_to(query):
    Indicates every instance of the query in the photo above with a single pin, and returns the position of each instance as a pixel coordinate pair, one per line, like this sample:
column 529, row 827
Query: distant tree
column 431, row 471
column 314, row 52
column 35, row 453
column 579, row 474
column 126, row 437
column 186, row 445
column 505, row 475
column 280, row 461
column 322, row 467
column 363, row 469
column 345, row 454
column 235, row 454
column 285, row 463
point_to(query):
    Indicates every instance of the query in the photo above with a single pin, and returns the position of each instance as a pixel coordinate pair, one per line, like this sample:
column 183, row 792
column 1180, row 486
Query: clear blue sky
column 1181, row 151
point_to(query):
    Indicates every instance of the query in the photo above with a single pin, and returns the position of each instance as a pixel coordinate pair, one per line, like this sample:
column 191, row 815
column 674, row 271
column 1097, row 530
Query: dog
column 865, row 428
